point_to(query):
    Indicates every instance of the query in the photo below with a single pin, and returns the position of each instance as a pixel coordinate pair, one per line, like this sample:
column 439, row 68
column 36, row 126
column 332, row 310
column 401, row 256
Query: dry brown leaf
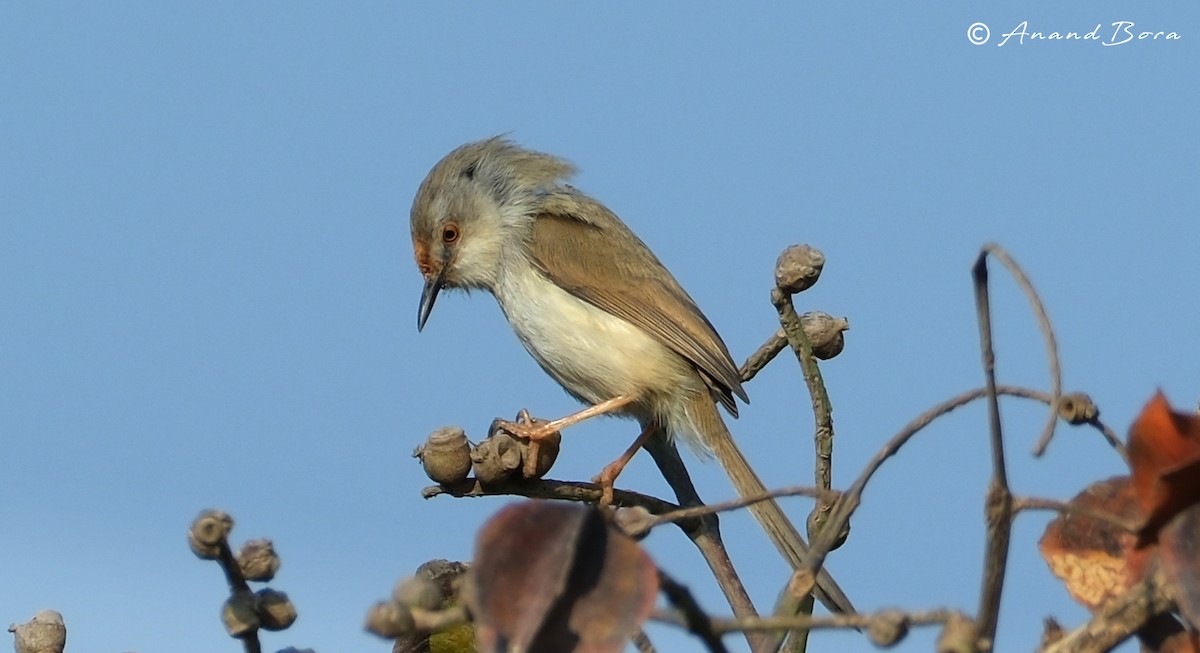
column 554, row 577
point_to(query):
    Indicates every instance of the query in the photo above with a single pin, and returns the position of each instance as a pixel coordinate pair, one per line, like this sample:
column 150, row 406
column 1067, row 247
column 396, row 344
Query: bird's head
column 474, row 209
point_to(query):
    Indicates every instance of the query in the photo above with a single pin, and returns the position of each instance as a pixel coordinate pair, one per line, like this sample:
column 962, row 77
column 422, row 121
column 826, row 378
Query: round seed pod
column 816, row 521
column 208, row 532
column 446, row 455
column 45, row 633
column 888, row 628
column 547, row 453
column 418, row 592
column 959, row 635
column 825, row 333
column 635, row 522
column 495, row 459
column 798, row 268
column 258, row 560
column 275, row 610
column 1077, row 408
column 389, row 619
column 239, row 615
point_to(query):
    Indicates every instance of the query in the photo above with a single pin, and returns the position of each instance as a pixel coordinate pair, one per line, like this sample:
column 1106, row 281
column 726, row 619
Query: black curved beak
column 433, row 285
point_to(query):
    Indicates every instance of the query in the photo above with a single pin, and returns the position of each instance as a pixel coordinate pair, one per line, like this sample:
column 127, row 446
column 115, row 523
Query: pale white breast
column 593, row 354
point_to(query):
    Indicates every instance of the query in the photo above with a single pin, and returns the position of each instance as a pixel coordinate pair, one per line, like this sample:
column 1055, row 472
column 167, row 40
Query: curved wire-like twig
column 1039, row 310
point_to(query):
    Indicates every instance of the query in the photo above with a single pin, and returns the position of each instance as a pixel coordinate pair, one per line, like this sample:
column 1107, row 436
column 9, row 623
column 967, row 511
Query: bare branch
column 763, row 355
column 550, row 489
column 822, row 434
column 999, row 510
column 858, row 621
column 822, row 409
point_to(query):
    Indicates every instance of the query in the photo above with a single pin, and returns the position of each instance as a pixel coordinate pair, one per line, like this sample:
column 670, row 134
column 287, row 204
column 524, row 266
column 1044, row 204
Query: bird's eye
column 450, row 233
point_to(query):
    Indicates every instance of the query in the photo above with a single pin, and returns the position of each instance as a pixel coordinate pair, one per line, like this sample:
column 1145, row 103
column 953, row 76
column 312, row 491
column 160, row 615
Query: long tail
column 768, row 513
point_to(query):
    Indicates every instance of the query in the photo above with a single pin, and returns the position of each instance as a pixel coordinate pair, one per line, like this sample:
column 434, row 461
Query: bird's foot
column 529, row 428
column 534, row 431
column 608, row 476
column 607, row 479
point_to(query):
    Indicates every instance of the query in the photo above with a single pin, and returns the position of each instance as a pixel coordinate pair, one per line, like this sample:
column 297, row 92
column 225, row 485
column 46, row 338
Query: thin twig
column 823, row 429
column 763, row 355
column 858, row 621
column 741, row 502
column 692, row 617
column 1039, row 310
column 237, row 584
column 999, row 510
column 231, row 568
column 1024, row 504
column 821, row 406
column 1110, row 437
column 546, row 488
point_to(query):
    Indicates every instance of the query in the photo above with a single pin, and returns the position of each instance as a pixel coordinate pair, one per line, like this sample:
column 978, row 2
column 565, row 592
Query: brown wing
column 621, row 275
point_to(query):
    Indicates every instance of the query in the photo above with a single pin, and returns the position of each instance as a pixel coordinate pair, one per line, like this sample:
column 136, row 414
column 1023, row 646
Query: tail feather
column 774, row 521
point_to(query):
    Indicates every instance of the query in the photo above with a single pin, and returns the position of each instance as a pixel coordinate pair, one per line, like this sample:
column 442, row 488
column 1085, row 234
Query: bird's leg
column 525, row 427
column 608, row 476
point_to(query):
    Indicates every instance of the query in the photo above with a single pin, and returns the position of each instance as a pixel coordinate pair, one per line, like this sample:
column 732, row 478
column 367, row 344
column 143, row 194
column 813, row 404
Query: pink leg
column 608, row 476
column 525, row 428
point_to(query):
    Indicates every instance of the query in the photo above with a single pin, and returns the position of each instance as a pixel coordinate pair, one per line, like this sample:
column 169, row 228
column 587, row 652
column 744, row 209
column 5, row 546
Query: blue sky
column 208, row 295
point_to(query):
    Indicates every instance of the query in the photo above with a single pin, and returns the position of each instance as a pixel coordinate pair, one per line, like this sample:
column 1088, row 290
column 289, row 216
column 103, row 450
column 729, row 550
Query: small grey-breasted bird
column 591, row 303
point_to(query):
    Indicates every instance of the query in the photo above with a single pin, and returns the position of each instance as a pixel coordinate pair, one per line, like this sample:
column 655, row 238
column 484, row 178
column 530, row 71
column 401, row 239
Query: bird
column 593, row 305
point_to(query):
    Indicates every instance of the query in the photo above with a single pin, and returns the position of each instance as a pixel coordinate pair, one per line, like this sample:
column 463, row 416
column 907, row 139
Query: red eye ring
column 450, row 233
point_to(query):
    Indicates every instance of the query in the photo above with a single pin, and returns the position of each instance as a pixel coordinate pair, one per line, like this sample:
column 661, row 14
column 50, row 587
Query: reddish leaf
column 552, row 577
column 522, row 557
column 1164, row 453
column 1179, row 551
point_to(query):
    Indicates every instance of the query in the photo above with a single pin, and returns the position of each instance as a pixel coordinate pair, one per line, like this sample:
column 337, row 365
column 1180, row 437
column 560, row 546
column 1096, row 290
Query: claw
column 533, row 431
column 606, row 480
